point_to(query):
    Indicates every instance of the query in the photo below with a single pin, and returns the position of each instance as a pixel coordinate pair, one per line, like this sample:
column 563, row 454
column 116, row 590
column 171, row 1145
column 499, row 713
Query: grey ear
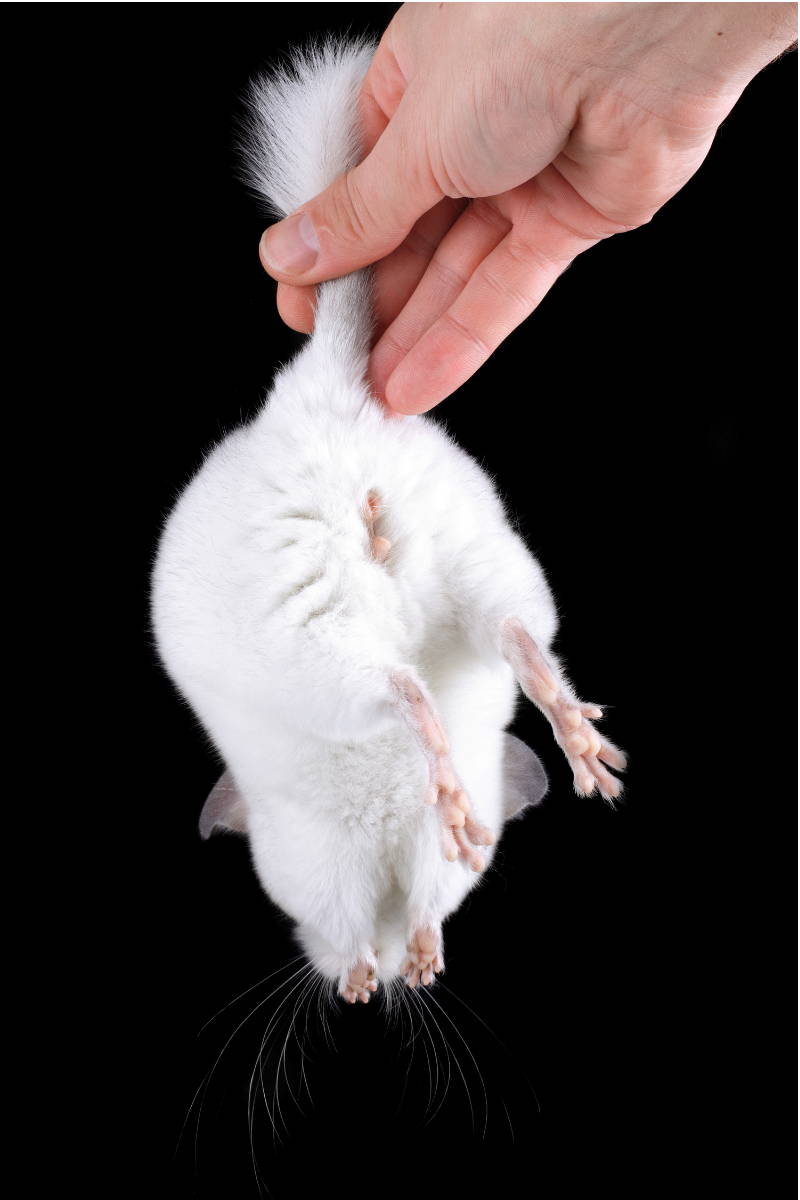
column 224, row 809
column 524, row 778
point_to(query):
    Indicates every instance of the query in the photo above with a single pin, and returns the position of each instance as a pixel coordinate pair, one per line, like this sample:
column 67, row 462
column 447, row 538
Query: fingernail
column 292, row 246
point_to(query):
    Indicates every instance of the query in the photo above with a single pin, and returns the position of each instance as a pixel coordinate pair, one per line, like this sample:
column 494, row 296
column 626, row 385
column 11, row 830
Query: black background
column 634, row 967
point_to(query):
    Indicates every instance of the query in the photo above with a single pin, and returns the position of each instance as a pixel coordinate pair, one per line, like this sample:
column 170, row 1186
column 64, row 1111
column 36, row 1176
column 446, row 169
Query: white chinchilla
column 341, row 600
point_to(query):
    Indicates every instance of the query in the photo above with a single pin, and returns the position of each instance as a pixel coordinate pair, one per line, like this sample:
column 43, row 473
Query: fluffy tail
column 301, row 131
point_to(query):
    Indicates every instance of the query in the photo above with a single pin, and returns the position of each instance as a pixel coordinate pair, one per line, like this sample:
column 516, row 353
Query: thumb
column 363, row 215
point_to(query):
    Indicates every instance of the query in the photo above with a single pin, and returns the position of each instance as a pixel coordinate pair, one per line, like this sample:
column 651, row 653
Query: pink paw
column 424, row 959
column 585, row 749
column 359, row 983
column 461, row 832
column 379, row 546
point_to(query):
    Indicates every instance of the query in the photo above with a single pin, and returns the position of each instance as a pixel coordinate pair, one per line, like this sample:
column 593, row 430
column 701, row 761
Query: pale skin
column 502, row 141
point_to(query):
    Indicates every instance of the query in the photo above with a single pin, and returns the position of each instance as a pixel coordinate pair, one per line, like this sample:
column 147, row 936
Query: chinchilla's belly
column 373, row 787
column 376, row 790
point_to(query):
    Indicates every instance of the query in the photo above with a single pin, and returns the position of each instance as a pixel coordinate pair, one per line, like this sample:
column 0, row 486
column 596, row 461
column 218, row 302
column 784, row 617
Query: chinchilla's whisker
column 479, row 1073
column 285, row 966
column 448, row 1053
column 323, row 999
column 276, row 1102
column 408, row 995
column 436, row 1062
column 405, row 1004
column 403, row 1013
column 491, row 1032
column 303, row 1051
column 258, row 1064
column 427, row 1039
column 508, row 1118
column 303, row 973
column 309, row 985
column 433, row 1084
column 306, row 1047
column 303, row 983
column 205, row 1083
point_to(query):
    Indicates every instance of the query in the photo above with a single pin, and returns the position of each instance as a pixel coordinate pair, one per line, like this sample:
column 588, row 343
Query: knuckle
column 420, row 246
column 526, row 253
column 348, row 215
column 507, row 291
column 467, row 334
column 452, row 279
column 486, row 214
column 397, row 342
column 593, row 227
column 625, row 219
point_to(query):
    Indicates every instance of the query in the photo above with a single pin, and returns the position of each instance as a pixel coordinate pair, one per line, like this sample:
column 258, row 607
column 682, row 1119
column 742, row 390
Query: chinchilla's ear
column 524, row 778
column 224, row 809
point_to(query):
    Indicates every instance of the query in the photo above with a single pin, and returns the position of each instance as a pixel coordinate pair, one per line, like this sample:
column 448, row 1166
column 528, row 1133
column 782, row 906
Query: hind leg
column 354, row 971
column 320, row 870
column 434, row 890
column 461, row 832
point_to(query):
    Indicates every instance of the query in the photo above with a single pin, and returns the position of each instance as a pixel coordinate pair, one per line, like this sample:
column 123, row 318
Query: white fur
column 281, row 630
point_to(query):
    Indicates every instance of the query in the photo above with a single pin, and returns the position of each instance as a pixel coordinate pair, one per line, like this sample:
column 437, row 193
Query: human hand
column 505, row 139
